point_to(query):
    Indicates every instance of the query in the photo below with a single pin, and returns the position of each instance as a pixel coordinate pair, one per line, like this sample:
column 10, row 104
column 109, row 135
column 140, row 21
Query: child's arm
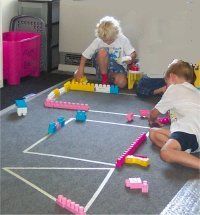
column 132, row 56
column 80, row 71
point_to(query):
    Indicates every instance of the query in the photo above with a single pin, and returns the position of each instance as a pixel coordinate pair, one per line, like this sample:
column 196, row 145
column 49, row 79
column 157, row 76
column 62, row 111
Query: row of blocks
column 132, row 148
column 90, row 87
column 70, row 205
column 65, row 105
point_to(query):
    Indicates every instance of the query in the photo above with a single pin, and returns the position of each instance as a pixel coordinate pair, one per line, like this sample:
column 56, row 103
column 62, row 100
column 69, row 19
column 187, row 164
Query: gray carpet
column 90, row 141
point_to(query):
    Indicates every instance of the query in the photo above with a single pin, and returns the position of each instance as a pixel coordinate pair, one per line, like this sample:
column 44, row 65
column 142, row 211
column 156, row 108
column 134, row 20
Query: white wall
column 8, row 9
column 160, row 30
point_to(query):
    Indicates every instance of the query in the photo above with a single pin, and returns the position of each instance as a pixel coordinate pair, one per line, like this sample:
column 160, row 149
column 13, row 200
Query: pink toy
column 21, row 55
column 129, row 117
column 65, row 105
column 137, row 183
column 70, row 206
column 144, row 113
column 164, row 120
column 132, row 148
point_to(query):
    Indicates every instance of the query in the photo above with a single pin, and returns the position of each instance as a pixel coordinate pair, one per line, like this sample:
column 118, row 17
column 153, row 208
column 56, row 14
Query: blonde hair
column 182, row 69
column 108, row 28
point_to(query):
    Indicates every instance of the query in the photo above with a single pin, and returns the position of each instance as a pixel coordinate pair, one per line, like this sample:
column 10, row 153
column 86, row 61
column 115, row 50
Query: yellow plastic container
column 133, row 77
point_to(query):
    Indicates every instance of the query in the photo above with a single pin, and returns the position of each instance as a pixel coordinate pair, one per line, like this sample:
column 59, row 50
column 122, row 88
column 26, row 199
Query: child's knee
column 165, row 155
column 120, row 80
column 102, row 53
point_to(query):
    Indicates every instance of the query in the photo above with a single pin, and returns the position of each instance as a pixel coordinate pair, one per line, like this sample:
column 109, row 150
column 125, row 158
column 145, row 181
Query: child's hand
column 127, row 59
column 78, row 74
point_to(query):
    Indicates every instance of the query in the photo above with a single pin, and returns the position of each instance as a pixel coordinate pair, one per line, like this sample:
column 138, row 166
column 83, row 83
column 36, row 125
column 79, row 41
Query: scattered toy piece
column 130, row 159
column 21, row 107
column 129, row 117
column 55, row 126
column 144, row 113
column 137, row 183
column 81, row 116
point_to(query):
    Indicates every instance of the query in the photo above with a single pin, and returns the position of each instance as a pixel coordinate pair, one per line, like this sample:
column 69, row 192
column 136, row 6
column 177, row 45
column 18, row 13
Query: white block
column 102, row 88
column 22, row 111
column 51, row 95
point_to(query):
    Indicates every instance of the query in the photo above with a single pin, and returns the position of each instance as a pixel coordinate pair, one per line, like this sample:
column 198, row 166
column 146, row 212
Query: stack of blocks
column 54, row 126
column 21, row 107
column 120, row 160
column 70, row 205
column 137, row 183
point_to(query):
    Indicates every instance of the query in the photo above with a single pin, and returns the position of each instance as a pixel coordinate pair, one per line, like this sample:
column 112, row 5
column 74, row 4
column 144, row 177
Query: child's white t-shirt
column 119, row 48
column 183, row 102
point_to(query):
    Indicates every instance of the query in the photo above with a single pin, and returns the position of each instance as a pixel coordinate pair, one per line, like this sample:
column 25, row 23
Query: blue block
column 61, row 121
column 114, row 89
column 81, row 116
column 52, row 128
column 20, row 103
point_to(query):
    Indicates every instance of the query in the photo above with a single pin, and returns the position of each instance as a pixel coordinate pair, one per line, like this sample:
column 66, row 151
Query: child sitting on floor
column 111, row 52
column 182, row 99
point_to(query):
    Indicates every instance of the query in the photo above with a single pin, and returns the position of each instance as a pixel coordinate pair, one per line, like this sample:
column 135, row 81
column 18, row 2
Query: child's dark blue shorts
column 187, row 141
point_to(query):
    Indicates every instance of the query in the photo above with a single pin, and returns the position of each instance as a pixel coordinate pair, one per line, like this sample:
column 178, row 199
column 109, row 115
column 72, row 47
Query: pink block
column 66, row 105
column 129, row 117
column 137, row 183
column 70, row 205
column 120, row 160
column 144, row 113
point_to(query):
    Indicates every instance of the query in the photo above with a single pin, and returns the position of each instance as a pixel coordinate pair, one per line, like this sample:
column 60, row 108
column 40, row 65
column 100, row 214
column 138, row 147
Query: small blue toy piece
column 81, row 116
column 52, row 128
column 61, row 121
column 114, row 89
column 21, row 107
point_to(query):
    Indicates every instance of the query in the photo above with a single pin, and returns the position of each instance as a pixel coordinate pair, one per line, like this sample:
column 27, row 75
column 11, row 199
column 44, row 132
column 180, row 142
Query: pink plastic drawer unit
column 21, row 55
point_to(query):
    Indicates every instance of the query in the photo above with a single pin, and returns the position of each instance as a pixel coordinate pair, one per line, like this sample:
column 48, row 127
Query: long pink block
column 137, row 183
column 120, row 160
column 129, row 117
column 70, row 205
column 66, row 105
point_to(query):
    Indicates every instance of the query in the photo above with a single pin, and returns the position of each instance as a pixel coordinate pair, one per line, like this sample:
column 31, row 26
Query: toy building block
column 67, row 86
column 69, row 205
column 114, row 89
column 56, row 92
column 54, row 126
column 21, row 107
column 130, row 159
column 102, row 88
column 82, row 86
column 129, row 117
column 81, row 116
column 164, row 120
column 132, row 148
column 65, row 105
column 82, row 80
column 137, row 183
column 144, row 113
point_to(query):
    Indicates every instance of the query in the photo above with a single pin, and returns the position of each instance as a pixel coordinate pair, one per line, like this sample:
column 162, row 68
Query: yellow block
column 67, row 86
column 133, row 77
column 56, row 92
column 197, row 72
column 130, row 159
column 82, row 86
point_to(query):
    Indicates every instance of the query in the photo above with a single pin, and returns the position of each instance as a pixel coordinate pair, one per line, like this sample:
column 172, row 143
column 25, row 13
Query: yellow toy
column 56, row 92
column 82, row 86
column 197, row 72
column 130, row 159
column 133, row 77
